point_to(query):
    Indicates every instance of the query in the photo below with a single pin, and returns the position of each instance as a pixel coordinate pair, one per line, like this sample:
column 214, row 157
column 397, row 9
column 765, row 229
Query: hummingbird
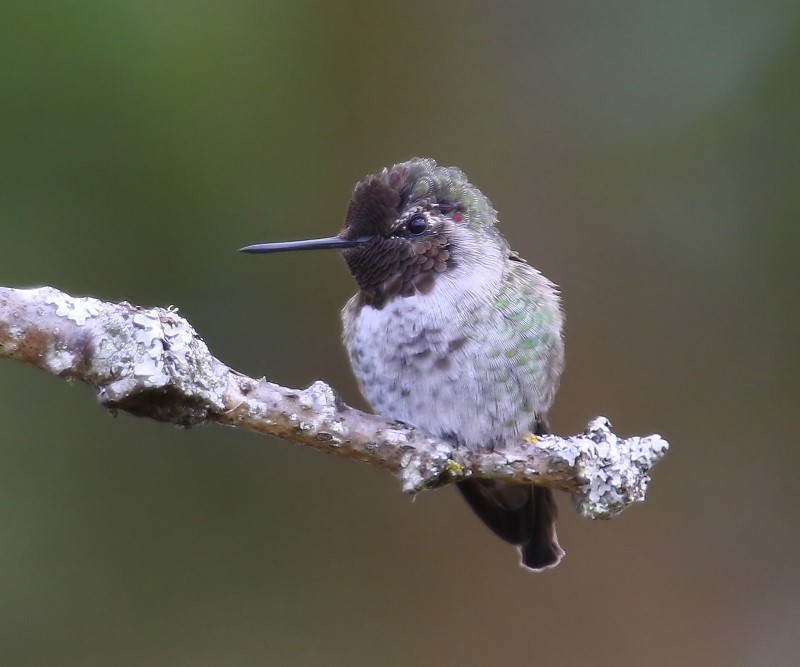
column 452, row 331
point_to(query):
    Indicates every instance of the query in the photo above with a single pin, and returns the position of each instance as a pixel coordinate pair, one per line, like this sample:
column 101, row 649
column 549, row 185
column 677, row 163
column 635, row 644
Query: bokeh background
column 643, row 154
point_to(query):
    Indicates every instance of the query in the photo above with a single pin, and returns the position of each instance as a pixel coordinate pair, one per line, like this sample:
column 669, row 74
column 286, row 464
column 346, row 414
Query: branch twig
column 151, row 362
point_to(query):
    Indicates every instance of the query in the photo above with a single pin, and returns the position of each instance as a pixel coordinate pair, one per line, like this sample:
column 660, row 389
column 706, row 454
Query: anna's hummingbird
column 452, row 331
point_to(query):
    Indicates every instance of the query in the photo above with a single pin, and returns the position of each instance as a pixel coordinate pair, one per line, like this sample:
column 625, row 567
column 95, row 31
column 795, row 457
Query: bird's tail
column 521, row 514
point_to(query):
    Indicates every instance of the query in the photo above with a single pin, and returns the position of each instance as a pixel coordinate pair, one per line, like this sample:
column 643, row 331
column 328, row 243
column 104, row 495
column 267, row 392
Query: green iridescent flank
column 502, row 302
column 523, row 335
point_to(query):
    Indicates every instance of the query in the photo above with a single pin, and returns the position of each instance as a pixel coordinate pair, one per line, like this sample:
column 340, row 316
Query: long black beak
column 308, row 244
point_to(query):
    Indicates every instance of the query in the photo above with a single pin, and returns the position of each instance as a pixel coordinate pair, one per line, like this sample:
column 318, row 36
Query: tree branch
column 151, row 363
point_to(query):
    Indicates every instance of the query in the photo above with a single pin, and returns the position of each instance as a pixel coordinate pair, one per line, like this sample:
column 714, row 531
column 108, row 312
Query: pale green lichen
column 58, row 361
column 616, row 476
column 79, row 310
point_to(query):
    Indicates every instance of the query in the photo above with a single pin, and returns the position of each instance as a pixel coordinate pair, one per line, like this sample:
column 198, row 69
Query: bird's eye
column 417, row 224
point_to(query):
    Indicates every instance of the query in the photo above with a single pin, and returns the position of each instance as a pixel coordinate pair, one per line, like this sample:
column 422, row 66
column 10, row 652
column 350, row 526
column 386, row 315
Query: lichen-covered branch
column 151, row 362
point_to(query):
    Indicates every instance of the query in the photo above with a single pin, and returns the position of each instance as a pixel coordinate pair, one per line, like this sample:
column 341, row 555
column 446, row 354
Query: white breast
column 417, row 364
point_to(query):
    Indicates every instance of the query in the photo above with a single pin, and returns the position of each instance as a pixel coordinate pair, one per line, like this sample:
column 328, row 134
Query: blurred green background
column 644, row 155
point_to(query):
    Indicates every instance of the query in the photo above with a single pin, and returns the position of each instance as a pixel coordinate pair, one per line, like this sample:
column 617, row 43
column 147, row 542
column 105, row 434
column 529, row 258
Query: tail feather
column 520, row 514
column 543, row 550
